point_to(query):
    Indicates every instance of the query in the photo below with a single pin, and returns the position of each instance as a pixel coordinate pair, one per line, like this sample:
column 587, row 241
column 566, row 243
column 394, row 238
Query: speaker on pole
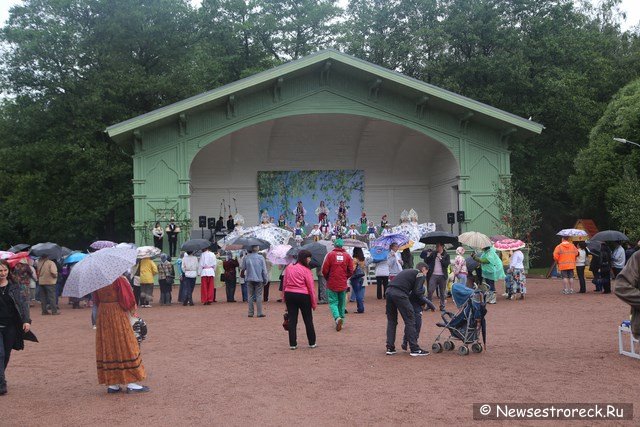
column 460, row 216
column 211, row 224
column 451, row 218
column 202, row 221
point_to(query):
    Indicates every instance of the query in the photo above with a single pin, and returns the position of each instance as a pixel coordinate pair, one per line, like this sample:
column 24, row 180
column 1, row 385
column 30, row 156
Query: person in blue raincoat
column 492, row 269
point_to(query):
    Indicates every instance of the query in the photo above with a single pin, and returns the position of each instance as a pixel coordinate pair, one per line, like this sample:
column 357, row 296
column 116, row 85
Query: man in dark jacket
column 438, row 263
column 398, row 292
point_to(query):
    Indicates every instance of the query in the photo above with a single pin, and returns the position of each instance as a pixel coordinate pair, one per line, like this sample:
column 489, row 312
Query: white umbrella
column 147, row 252
column 475, row 239
column 571, row 232
column 97, row 270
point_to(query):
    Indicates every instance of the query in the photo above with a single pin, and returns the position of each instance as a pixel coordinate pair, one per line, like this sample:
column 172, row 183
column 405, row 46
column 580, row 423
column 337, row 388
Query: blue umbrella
column 74, row 257
column 389, row 239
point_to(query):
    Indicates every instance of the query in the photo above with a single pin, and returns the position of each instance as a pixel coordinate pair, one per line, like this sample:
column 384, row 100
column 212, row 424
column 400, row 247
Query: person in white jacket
column 190, row 269
column 207, row 275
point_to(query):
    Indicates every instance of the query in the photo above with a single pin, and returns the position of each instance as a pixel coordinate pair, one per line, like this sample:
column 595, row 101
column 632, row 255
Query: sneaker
column 391, row 351
column 505, row 295
column 571, row 291
column 112, row 390
column 93, row 327
column 564, row 292
column 313, row 345
column 404, row 346
column 293, row 347
column 419, row 352
column 339, row 323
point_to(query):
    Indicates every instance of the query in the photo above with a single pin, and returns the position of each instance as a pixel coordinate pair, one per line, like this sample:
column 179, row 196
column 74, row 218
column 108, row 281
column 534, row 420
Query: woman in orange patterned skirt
column 117, row 350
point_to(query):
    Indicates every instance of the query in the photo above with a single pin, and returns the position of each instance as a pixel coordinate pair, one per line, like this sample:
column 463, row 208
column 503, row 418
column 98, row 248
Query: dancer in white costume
column 409, row 227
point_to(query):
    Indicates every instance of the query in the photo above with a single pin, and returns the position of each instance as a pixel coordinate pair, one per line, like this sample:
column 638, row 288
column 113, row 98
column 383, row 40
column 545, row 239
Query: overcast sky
column 631, row 7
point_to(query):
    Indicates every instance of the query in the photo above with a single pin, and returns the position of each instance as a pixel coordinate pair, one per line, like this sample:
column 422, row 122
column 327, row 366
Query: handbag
column 139, row 327
column 285, row 323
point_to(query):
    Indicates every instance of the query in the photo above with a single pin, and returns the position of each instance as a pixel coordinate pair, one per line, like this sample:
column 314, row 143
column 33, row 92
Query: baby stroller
column 467, row 324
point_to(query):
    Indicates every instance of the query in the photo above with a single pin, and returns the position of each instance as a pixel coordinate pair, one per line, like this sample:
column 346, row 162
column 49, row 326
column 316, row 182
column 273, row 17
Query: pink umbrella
column 102, row 244
column 499, row 237
column 16, row 258
column 509, row 244
column 5, row 254
column 277, row 255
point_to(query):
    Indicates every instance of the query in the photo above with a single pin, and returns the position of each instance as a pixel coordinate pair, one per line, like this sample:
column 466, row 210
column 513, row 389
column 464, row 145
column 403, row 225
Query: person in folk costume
column 322, row 211
column 337, row 232
column 302, row 221
column 325, row 225
column 239, row 222
column 117, row 350
column 172, row 232
column 316, row 233
column 300, row 212
column 342, row 212
column 386, row 230
column 230, row 224
column 282, row 222
column 383, row 223
column 158, row 235
column 272, row 220
column 298, row 232
column 371, row 231
column 363, row 223
column 353, row 232
column 264, row 217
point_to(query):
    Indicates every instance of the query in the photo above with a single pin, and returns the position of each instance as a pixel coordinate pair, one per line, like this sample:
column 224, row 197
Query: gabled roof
column 482, row 110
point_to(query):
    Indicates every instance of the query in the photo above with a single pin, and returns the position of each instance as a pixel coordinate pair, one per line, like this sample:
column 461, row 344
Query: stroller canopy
column 461, row 294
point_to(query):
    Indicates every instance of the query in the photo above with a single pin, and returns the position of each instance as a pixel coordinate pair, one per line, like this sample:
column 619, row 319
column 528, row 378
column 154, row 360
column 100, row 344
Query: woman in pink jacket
column 299, row 294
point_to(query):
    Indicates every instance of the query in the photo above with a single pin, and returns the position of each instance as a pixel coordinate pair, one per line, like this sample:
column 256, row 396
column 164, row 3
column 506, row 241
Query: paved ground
column 213, row 365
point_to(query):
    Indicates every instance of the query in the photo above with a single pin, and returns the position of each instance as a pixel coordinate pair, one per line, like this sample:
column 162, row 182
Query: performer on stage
column 298, row 232
column 342, row 212
column 172, row 233
column 264, row 217
column 219, row 225
column 353, row 232
column 300, row 212
column 316, row 233
column 322, row 209
column 363, row 223
column 371, row 231
column 282, row 222
column 230, row 224
column 383, row 223
column 325, row 225
column 158, row 235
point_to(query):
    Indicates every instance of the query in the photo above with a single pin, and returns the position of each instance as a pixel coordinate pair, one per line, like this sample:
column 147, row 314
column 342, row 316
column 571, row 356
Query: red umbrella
column 499, row 237
column 16, row 258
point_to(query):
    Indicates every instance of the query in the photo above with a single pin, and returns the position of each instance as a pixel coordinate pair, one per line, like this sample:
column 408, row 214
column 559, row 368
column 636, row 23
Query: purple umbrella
column 102, row 244
column 389, row 239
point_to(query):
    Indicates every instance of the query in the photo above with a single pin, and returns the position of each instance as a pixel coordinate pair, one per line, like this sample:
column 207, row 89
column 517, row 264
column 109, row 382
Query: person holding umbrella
column 148, row 269
column 298, row 292
column 14, row 321
column 190, row 271
column 438, row 262
column 565, row 255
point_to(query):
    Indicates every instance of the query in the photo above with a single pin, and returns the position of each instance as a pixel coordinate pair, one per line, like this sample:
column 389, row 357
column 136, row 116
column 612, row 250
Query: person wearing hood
column 492, row 269
column 460, row 266
column 565, row 255
column 336, row 269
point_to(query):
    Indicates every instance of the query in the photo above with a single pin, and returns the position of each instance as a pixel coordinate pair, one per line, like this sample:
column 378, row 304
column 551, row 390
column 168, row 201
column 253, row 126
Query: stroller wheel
column 476, row 347
column 449, row 345
column 463, row 351
column 436, row 347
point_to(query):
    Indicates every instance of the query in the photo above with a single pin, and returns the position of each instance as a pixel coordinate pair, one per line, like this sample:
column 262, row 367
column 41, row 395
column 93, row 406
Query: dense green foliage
column 72, row 67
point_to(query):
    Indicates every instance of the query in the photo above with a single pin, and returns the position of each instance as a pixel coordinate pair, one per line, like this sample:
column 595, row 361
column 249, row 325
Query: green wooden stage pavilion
column 419, row 146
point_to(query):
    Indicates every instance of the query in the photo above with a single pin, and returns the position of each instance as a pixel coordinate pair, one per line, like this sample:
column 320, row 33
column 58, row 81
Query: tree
column 606, row 170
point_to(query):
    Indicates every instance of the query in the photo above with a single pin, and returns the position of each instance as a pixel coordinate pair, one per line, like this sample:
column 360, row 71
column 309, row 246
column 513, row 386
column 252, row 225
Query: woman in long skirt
column 117, row 350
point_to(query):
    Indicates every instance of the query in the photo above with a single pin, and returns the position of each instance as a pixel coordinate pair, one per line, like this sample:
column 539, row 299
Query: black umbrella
column 594, row 247
column 195, row 245
column 249, row 242
column 610, row 236
column 48, row 249
column 318, row 252
column 66, row 251
column 19, row 248
column 439, row 237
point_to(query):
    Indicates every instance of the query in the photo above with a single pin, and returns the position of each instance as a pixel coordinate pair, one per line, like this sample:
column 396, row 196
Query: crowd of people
column 408, row 291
